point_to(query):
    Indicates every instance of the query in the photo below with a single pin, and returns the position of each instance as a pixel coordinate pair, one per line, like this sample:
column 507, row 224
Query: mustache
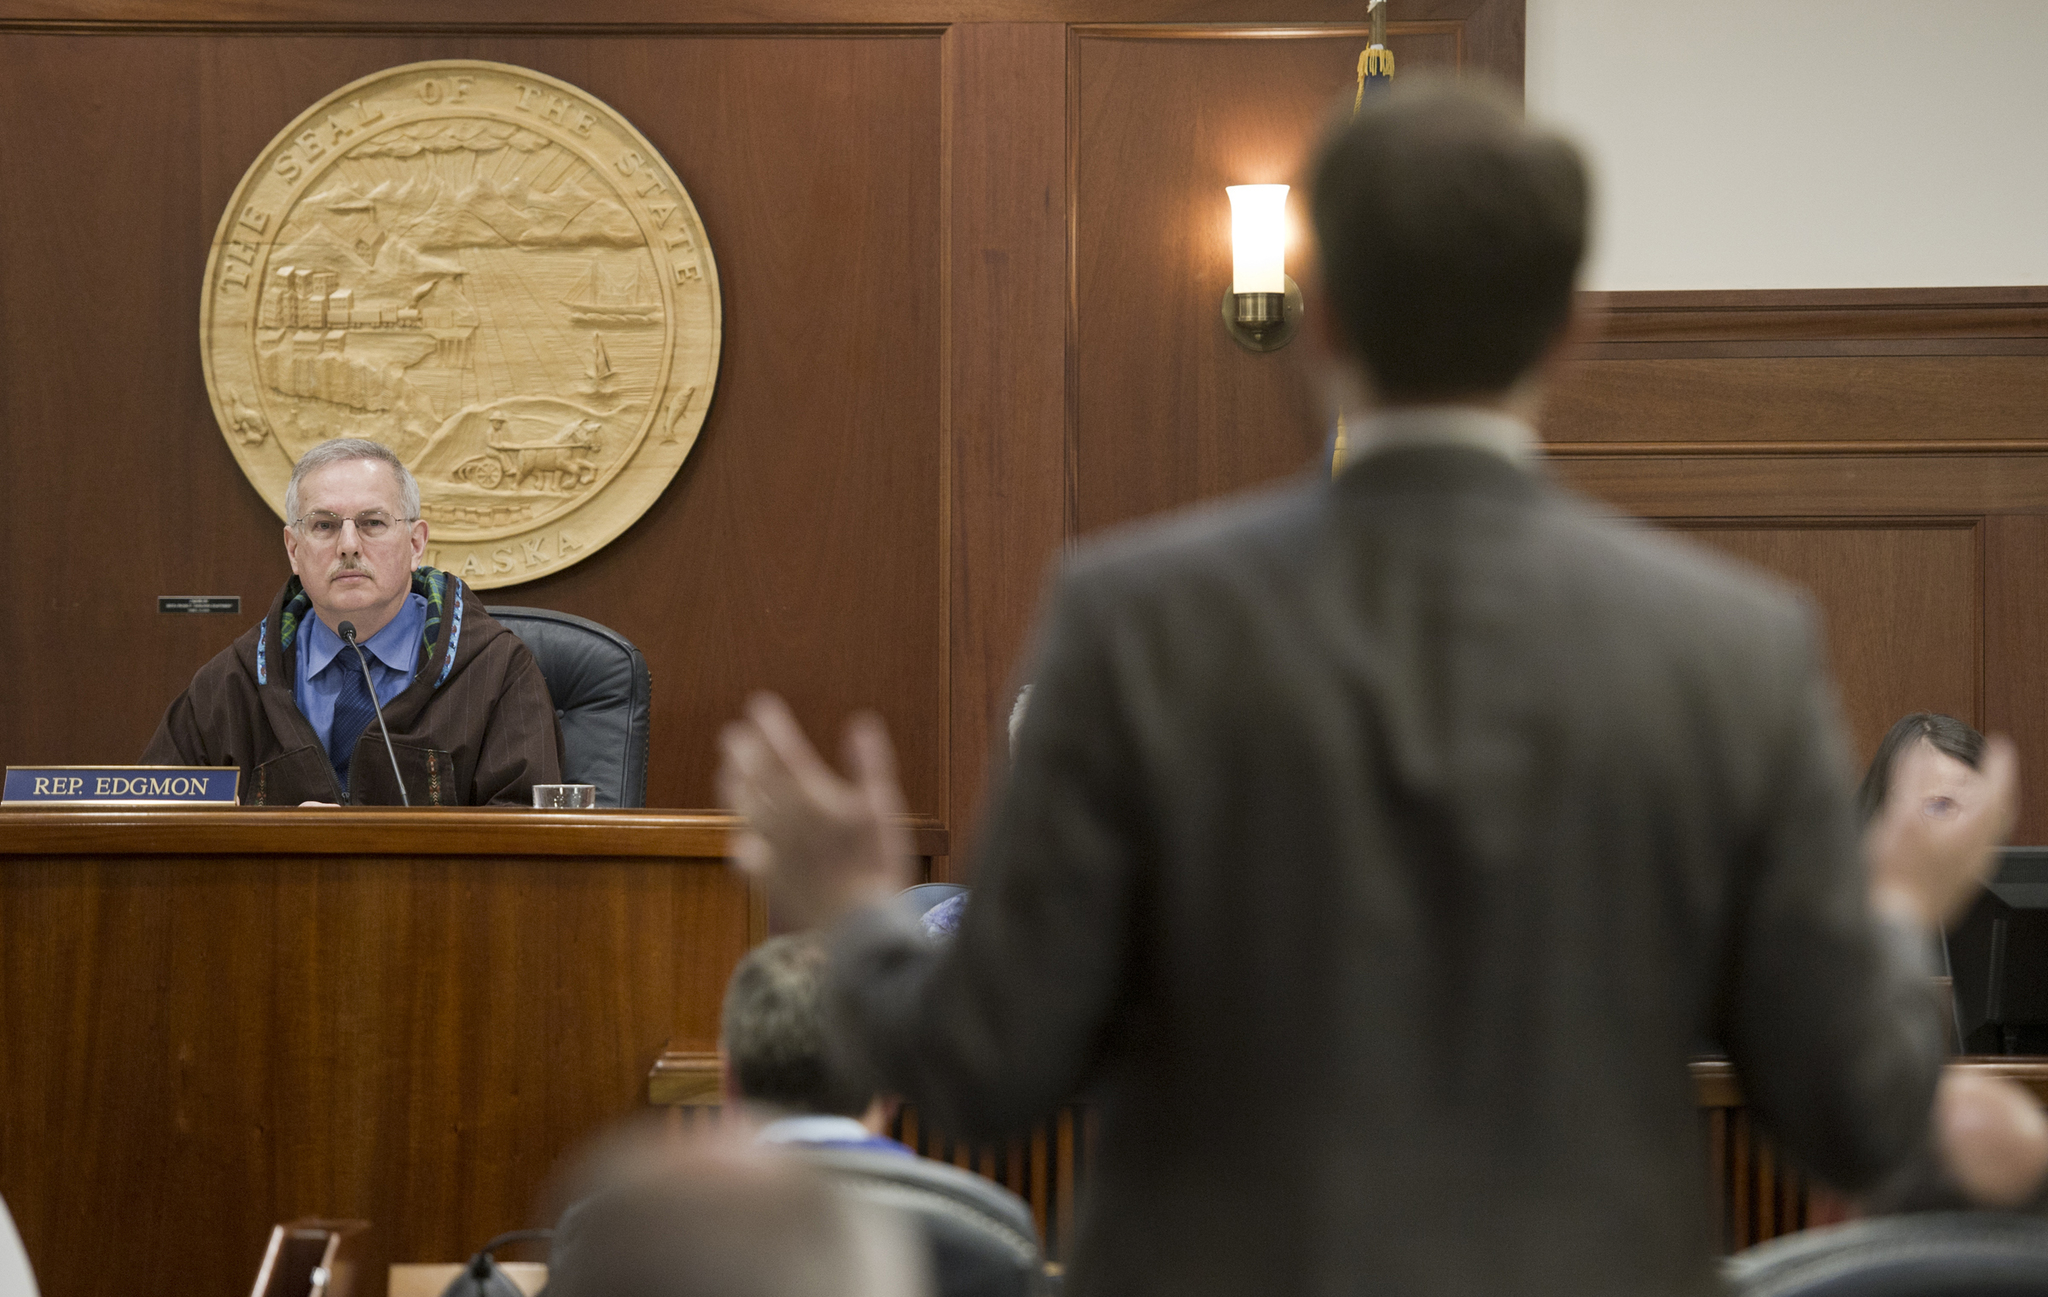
column 346, row 566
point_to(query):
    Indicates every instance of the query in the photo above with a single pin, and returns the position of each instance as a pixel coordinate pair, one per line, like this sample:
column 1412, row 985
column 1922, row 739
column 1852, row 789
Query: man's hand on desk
column 1937, row 837
column 824, row 845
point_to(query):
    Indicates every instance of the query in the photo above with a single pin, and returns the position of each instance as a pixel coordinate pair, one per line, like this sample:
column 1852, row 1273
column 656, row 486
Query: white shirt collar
column 814, row 1128
column 1441, row 425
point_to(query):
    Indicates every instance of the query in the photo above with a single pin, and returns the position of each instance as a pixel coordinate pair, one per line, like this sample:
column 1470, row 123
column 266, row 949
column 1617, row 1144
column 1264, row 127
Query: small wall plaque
column 228, row 603
column 122, row 785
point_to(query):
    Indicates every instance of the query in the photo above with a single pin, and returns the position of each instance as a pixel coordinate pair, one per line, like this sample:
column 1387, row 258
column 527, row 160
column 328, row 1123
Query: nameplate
column 122, row 785
column 202, row 603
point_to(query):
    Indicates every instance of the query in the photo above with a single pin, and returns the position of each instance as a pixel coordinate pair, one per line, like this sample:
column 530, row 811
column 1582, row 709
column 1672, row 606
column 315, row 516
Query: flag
column 1375, row 69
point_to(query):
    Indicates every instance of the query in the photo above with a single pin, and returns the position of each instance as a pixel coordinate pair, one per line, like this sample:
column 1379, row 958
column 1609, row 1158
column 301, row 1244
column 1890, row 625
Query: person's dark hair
column 1450, row 233
column 1946, row 733
column 773, row 1029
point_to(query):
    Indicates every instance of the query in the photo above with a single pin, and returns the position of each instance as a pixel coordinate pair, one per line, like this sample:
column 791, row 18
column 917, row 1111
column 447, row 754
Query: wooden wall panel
column 1493, row 29
column 1007, row 401
column 1867, row 399
column 1887, row 450
column 801, row 548
column 1902, row 608
column 201, row 1043
column 1167, row 408
column 2016, row 652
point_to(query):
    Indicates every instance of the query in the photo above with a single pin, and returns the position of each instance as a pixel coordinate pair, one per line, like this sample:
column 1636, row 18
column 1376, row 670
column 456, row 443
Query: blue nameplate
column 122, row 785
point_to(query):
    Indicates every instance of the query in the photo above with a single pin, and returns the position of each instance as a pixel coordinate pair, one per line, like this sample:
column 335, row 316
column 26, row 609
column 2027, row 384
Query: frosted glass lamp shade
column 1258, row 238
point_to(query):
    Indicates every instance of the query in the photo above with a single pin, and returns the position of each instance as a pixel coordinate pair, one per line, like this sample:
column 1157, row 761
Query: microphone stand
column 348, row 635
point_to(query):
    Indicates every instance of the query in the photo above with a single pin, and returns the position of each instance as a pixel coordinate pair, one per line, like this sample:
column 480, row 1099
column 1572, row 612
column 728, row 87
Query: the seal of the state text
column 490, row 272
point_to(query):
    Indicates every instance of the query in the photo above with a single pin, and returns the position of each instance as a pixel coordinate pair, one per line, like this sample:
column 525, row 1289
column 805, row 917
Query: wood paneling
column 2016, row 652
column 203, row 1039
column 1885, row 449
column 1856, row 316
column 1008, row 357
column 801, row 548
column 1902, row 607
column 1494, row 28
column 1857, row 399
column 1167, row 408
column 352, row 832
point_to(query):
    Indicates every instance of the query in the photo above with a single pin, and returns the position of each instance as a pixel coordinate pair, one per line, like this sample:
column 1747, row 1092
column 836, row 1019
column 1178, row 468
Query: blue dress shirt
column 324, row 659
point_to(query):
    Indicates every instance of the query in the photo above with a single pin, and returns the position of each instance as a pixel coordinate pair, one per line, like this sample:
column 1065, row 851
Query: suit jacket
column 1375, row 853
column 475, row 727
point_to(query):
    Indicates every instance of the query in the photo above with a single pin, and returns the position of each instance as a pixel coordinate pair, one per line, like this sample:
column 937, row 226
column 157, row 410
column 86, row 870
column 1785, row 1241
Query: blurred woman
column 1958, row 751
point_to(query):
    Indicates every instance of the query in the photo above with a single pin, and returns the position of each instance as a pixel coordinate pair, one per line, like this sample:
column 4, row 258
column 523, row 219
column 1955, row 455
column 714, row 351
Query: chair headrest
column 1935, row 1254
column 586, row 664
column 984, row 1241
column 602, row 692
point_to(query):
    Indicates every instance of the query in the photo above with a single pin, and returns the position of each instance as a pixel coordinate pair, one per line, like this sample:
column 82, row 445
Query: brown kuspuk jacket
column 476, row 726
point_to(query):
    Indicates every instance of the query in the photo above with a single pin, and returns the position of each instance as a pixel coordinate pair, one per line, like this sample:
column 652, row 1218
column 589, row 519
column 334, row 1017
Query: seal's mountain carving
column 492, row 273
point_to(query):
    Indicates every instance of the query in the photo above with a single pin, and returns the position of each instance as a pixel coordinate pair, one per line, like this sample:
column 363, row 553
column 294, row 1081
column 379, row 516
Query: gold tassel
column 1337, row 451
column 1373, row 61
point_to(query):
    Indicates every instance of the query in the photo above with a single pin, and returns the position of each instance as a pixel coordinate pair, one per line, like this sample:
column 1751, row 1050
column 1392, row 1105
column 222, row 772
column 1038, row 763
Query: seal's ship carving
column 492, row 273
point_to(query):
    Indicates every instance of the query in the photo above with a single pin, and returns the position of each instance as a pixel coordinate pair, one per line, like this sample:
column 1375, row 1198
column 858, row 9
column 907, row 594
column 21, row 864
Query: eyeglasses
column 324, row 527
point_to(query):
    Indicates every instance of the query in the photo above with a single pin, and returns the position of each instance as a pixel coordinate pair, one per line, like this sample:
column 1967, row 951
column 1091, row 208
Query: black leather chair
column 983, row 1240
column 602, row 692
column 1936, row 1254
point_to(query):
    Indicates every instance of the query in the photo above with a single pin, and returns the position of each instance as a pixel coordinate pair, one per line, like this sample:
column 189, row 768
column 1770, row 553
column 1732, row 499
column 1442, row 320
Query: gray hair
column 772, row 1026
column 341, row 450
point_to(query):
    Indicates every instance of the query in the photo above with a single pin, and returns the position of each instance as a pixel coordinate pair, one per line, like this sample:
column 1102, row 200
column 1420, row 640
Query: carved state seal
column 488, row 271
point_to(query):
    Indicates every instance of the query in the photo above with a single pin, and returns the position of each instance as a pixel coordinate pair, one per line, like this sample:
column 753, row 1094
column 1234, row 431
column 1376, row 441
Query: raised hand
column 1937, row 837
column 823, row 844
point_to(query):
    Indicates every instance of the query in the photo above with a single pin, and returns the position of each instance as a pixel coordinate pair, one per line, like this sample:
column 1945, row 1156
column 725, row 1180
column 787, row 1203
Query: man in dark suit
column 1377, row 850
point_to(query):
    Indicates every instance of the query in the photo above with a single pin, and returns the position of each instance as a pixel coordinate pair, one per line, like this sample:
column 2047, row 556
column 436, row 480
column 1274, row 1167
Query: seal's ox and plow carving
column 490, row 272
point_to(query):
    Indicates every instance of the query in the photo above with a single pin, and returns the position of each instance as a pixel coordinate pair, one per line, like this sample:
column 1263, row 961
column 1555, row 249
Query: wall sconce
column 1263, row 307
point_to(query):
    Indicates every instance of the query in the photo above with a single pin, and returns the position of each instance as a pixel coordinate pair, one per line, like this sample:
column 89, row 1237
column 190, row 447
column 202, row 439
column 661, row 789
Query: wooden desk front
column 212, row 1021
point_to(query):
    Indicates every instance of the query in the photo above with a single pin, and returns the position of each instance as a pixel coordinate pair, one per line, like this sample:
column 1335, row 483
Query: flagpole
column 1375, row 67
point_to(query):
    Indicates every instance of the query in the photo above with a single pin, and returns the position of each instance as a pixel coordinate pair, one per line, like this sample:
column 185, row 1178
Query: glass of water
column 564, row 797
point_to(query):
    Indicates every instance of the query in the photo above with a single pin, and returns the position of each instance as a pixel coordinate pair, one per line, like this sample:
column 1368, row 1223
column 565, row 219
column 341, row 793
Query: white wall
column 1804, row 143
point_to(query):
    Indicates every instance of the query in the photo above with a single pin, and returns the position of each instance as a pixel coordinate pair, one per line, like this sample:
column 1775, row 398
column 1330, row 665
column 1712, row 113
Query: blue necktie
column 353, row 712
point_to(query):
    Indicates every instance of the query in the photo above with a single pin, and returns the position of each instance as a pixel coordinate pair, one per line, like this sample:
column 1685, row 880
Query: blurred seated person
column 470, row 718
column 1954, row 751
column 1989, row 1138
column 709, row 1218
column 775, row 1066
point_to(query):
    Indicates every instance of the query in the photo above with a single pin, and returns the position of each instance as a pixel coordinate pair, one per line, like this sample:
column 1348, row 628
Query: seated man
column 778, row 1071
column 470, row 717
column 774, row 1062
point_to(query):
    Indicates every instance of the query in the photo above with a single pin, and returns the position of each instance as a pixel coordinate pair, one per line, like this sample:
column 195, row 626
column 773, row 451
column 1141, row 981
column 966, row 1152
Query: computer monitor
column 1998, row 955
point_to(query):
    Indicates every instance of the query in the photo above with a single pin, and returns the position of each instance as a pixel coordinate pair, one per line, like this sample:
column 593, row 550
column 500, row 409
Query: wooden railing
column 1759, row 1195
column 1045, row 1168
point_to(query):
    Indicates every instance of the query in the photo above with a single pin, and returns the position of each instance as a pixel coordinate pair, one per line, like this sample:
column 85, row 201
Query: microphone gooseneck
column 347, row 631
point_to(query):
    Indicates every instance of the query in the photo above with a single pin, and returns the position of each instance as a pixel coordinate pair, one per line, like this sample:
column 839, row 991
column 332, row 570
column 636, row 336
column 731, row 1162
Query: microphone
column 348, row 635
